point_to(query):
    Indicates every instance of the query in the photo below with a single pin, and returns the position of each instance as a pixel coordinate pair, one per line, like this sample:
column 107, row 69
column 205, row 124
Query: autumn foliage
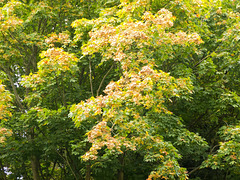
column 129, row 89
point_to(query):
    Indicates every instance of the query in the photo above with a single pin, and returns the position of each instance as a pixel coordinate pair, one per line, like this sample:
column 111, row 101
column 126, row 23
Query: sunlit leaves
column 4, row 133
column 8, row 20
column 121, row 42
column 55, row 61
column 124, row 112
column 148, row 88
column 5, row 105
column 228, row 154
column 122, row 109
column 174, row 69
column 5, row 102
column 62, row 38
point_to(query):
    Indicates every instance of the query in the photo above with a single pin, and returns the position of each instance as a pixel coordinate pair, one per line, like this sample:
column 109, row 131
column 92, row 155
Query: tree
column 127, row 115
column 215, row 100
column 39, row 149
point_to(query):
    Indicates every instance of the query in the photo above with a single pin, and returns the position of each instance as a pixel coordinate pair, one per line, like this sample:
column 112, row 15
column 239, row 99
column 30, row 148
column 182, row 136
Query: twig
column 90, row 71
column 201, row 60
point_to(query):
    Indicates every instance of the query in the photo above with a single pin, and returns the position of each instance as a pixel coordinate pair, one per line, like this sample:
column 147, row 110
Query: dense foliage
column 129, row 89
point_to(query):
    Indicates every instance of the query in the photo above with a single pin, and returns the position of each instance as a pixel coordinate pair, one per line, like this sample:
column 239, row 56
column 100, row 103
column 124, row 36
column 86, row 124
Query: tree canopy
column 129, row 89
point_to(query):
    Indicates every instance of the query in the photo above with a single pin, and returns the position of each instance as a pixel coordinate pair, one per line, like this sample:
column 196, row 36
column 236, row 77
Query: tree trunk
column 120, row 171
column 88, row 172
column 34, row 161
column 120, row 174
column 35, row 168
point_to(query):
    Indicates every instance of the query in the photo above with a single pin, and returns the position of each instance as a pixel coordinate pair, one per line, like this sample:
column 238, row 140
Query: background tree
column 39, row 147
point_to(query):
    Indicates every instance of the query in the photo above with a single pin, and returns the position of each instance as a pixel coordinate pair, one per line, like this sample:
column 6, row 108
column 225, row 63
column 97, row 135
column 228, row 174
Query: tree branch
column 66, row 160
column 195, row 169
column 104, row 79
column 13, row 87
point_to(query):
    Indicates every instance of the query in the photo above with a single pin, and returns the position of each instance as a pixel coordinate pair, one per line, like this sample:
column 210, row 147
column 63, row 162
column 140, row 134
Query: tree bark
column 88, row 172
column 34, row 161
column 120, row 175
column 120, row 171
column 35, row 168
